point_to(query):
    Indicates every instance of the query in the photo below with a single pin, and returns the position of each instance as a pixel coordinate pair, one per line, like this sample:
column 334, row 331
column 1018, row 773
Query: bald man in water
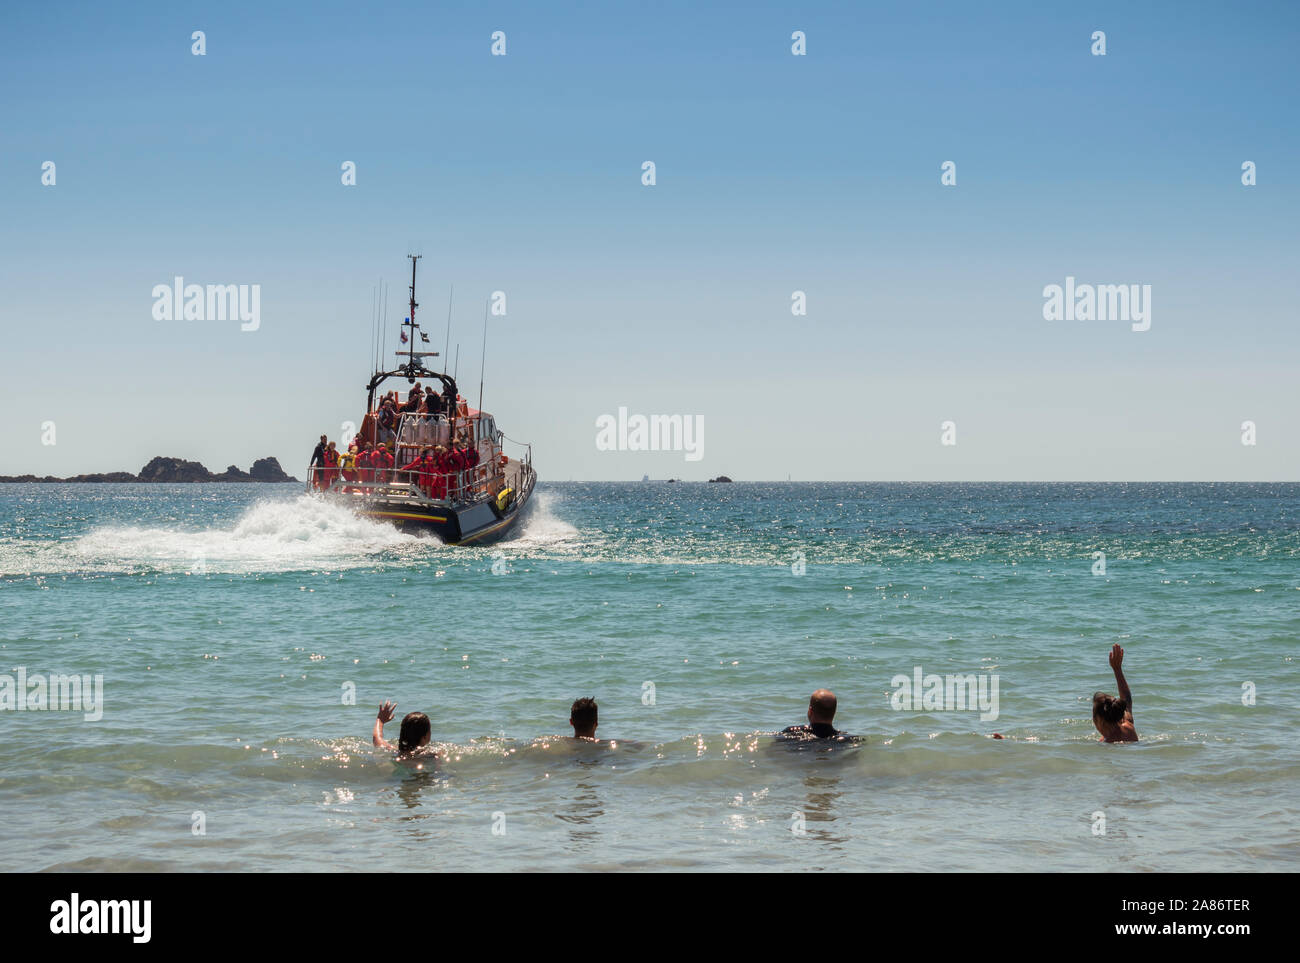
column 821, row 713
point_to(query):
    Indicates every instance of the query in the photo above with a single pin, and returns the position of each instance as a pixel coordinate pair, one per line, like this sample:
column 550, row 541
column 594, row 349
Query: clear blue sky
column 775, row 173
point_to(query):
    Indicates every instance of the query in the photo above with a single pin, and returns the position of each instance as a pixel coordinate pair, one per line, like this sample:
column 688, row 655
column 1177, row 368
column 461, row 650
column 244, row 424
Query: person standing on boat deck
column 469, row 459
column 348, row 464
column 317, row 462
column 366, row 463
column 583, row 716
column 821, row 713
column 438, row 463
column 383, row 462
column 331, row 462
column 1114, row 717
column 415, row 470
column 427, row 468
column 432, row 402
column 456, row 464
column 388, row 422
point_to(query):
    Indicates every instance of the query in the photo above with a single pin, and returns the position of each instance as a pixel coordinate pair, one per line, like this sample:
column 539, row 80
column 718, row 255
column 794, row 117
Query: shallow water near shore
column 233, row 625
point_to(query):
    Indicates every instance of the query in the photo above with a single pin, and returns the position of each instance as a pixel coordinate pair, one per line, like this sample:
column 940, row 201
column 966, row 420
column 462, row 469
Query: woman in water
column 1114, row 717
column 412, row 741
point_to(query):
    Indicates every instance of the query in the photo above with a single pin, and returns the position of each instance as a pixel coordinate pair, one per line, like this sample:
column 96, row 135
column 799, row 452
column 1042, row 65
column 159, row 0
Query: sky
column 774, row 173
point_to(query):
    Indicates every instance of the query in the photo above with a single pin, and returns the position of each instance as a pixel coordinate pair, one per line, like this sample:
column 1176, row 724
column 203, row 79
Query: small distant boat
column 478, row 500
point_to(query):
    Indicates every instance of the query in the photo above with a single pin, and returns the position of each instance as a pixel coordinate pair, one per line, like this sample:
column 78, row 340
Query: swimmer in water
column 821, row 713
column 1114, row 717
column 583, row 716
column 412, row 740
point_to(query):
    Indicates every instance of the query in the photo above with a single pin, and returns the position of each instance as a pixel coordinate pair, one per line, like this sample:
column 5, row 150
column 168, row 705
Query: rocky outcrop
column 166, row 470
column 233, row 474
column 162, row 469
column 269, row 470
column 112, row 476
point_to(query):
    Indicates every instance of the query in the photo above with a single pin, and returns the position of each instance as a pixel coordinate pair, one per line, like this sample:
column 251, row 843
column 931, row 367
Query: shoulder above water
column 817, row 733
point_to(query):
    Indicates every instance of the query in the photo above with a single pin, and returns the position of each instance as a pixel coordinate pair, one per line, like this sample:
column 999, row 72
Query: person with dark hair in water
column 821, row 713
column 413, row 739
column 583, row 716
column 1114, row 717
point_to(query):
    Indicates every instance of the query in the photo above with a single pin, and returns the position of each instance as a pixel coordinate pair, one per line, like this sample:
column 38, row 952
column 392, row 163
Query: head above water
column 583, row 716
column 415, row 732
column 821, row 707
column 1107, row 712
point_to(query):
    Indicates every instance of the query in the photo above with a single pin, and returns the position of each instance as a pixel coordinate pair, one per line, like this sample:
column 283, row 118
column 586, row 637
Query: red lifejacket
column 439, row 468
column 416, row 469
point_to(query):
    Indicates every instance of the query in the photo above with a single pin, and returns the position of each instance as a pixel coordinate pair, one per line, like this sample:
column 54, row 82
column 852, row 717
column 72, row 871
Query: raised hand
column 386, row 710
column 1116, row 657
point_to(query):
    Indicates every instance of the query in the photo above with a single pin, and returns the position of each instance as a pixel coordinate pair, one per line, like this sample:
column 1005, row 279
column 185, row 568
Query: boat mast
column 410, row 357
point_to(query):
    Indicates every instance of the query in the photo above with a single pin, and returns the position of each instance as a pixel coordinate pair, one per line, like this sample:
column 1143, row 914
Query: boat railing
column 420, row 433
column 465, row 485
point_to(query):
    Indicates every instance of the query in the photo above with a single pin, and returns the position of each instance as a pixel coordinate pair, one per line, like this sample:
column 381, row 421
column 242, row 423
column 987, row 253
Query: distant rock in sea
column 269, row 470
column 173, row 470
column 720, row 478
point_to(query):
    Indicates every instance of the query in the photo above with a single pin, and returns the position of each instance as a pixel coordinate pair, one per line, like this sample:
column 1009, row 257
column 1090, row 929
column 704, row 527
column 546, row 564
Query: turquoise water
column 229, row 622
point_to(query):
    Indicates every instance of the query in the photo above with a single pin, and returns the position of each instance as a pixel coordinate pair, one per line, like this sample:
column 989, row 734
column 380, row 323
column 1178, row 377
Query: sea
column 232, row 643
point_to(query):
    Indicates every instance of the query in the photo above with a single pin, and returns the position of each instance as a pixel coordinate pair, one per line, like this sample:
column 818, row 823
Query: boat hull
column 477, row 523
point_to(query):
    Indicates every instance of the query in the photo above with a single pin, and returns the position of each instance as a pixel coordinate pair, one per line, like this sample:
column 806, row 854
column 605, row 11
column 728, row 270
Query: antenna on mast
column 372, row 331
column 446, row 348
column 384, row 315
column 483, row 354
column 410, row 354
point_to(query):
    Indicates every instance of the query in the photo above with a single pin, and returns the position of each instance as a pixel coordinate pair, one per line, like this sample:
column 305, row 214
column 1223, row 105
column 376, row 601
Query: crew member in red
column 383, row 462
column 422, row 470
column 438, row 461
column 331, row 471
column 366, row 463
column 466, row 458
column 455, row 468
